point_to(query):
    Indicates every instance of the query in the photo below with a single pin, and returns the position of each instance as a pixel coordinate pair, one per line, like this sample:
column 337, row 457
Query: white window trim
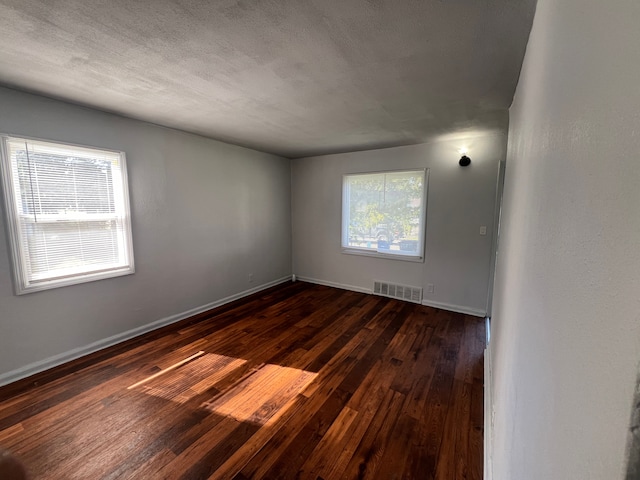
column 21, row 283
column 376, row 254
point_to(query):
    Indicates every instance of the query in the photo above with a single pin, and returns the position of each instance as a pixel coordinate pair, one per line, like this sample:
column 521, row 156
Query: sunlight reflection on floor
column 196, row 377
column 259, row 397
column 256, row 398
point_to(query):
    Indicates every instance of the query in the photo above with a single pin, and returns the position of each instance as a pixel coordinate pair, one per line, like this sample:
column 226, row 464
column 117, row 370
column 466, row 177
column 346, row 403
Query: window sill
column 73, row 280
column 377, row 254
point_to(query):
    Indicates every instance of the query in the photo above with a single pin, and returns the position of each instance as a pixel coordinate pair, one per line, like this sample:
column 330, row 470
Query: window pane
column 54, row 182
column 68, row 211
column 383, row 212
column 58, row 249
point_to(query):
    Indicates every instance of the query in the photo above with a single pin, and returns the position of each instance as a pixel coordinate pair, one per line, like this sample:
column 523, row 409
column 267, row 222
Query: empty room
column 357, row 239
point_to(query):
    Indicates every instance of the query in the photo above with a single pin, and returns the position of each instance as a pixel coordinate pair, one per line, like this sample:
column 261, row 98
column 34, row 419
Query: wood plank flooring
column 299, row 381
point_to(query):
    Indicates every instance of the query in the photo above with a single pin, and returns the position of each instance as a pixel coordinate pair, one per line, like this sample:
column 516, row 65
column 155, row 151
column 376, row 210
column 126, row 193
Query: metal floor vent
column 401, row 292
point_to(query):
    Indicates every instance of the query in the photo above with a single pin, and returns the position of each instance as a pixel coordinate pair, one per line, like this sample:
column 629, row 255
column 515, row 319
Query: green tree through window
column 384, row 212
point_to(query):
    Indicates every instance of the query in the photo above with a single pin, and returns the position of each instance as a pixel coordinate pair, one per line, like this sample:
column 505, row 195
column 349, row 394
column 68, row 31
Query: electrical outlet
column 430, row 288
column 251, row 278
column 483, row 230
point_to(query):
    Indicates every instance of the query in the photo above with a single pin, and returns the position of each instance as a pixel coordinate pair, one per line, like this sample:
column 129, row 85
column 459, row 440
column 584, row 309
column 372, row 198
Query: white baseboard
column 326, row 283
column 443, row 306
column 54, row 361
column 488, row 417
column 455, row 308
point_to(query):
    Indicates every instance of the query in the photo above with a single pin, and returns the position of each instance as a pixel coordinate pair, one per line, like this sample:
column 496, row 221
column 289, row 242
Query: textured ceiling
column 292, row 77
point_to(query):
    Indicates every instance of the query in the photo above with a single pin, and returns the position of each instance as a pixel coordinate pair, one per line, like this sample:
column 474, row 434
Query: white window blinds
column 68, row 213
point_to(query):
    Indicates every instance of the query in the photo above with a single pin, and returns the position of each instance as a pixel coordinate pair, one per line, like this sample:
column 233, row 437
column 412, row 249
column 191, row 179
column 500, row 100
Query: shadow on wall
column 633, row 469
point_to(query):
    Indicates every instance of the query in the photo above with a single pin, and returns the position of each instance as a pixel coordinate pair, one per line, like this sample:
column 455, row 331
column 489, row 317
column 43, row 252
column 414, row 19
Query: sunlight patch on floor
column 193, row 378
column 263, row 395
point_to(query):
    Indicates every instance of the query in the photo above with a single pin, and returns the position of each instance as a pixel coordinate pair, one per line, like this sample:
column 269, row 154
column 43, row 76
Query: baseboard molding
column 353, row 288
column 56, row 360
column 455, row 308
column 342, row 286
column 488, row 416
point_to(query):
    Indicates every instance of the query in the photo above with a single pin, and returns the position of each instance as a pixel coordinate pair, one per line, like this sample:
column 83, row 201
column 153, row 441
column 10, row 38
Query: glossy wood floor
column 300, row 381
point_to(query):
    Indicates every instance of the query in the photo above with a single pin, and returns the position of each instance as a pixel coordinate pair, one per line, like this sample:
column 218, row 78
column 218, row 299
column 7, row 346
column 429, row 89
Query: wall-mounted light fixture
column 464, row 160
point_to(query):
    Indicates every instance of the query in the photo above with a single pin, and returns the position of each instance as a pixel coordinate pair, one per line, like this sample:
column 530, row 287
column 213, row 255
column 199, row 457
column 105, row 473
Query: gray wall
column 566, row 324
column 460, row 200
column 205, row 215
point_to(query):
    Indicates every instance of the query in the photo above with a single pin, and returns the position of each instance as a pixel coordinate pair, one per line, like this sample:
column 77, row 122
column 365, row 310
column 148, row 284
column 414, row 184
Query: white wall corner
column 488, row 416
column 56, row 360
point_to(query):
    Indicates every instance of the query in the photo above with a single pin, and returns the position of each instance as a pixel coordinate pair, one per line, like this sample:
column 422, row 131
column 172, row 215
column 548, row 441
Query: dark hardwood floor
column 300, row 381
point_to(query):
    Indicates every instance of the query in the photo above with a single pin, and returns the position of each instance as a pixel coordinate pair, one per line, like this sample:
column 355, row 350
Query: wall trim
column 488, row 415
column 455, row 308
column 443, row 306
column 59, row 359
column 343, row 286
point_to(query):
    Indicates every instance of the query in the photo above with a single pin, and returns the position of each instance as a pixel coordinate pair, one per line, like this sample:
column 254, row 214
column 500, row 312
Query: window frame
column 422, row 229
column 22, row 284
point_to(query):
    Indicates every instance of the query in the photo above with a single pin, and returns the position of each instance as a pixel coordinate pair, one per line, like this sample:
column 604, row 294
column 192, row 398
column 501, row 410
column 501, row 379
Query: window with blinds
column 68, row 213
